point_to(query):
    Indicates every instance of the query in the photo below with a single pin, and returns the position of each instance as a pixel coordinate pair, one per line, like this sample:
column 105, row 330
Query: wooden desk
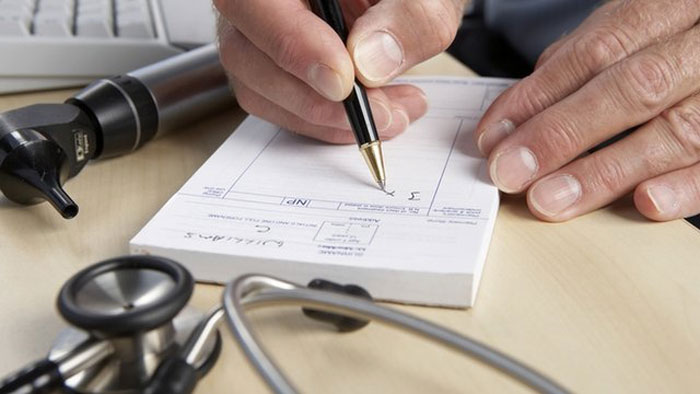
column 606, row 303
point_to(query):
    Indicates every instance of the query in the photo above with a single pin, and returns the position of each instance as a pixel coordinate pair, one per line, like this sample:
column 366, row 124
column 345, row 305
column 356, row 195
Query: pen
column 356, row 105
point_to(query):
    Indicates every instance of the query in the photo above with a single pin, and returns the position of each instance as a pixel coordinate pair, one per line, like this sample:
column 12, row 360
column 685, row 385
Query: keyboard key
column 134, row 19
column 54, row 18
column 56, row 6
column 95, row 8
column 57, row 23
column 181, row 19
column 94, row 25
column 127, row 5
column 134, row 26
column 26, row 6
column 15, row 25
column 35, row 57
column 94, row 19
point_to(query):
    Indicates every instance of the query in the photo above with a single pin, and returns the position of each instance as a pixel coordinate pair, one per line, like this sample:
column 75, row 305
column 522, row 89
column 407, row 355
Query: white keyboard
column 61, row 43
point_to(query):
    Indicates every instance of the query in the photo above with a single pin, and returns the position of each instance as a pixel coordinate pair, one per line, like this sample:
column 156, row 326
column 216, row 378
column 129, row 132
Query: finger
column 296, row 40
column 353, row 9
column 408, row 104
column 619, row 30
column 394, row 35
column 408, row 98
column 671, row 196
column 550, row 51
column 668, row 143
column 403, row 99
column 599, row 14
column 258, row 72
column 626, row 95
column 259, row 106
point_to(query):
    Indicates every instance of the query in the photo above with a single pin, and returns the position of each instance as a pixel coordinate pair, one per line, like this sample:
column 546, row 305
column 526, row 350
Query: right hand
column 289, row 67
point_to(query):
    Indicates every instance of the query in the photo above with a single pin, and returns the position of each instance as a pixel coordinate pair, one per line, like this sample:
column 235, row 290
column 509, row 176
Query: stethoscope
column 132, row 331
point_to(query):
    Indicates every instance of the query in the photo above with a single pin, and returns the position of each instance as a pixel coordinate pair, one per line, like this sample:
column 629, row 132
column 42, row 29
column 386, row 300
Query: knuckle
column 546, row 54
column 530, row 96
column 649, row 81
column 227, row 54
column 558, row 138
column 439, row 20
column 228, row 9
column 337, row 136
column 694, row 186
column 246, row 101
column 607, row 176
column 658, row 158
column 683, row 128
column 286, row 50
column 314, row 110
column 600, row 48
column 223, row 4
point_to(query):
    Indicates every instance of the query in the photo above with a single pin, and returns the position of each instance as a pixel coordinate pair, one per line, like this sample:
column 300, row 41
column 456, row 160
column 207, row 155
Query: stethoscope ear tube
column 159, row 288
column 252, row 291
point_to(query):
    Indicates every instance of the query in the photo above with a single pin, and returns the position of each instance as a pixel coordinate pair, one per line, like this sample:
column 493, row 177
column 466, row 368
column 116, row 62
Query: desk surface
column 607, row 302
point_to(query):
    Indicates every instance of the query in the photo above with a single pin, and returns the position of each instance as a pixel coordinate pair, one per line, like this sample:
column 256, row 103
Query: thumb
column 394, row 35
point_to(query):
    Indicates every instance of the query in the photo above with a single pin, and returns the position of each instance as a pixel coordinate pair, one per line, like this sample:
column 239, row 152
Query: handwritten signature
column 216, row 238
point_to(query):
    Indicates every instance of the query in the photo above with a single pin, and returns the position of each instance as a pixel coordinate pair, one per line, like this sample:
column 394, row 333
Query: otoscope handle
column 40, row 377
column 186, row 87
column 42, row 146
column 131, row 109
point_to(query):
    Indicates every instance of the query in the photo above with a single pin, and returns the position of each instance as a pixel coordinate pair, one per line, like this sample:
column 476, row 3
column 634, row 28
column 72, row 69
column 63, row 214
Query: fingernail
column 326, row 81
column 402, row 118
column 414, row 105
column 554, row 195
column 399, row 123
column 378, row 56
column 382, row 114
column 663, row 198
column 513, row 169
column 493, row 134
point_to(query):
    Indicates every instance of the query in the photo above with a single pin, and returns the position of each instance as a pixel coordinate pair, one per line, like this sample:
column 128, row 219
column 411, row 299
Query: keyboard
column 48, row 44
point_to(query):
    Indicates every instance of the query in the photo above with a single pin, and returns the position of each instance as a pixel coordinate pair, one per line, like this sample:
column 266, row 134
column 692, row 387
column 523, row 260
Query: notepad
column 269, row 201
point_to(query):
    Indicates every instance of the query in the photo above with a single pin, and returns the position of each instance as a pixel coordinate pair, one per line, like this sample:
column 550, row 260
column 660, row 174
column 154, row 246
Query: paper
column 269, row 201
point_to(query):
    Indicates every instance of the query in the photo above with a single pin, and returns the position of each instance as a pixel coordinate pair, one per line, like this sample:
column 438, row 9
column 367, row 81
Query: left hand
column 633, row 63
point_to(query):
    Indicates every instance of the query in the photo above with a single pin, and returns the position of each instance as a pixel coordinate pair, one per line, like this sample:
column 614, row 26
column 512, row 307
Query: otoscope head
column 42, row 146
column 33, row 169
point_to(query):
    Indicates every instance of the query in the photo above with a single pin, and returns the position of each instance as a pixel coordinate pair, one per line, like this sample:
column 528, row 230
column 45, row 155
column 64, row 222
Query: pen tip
column 382, row 185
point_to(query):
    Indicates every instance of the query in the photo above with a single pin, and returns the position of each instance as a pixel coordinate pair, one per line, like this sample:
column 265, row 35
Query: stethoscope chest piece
column 134, row 334
column 135, row 307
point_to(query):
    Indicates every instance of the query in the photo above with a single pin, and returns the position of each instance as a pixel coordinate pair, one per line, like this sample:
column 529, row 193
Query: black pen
column 356, row 105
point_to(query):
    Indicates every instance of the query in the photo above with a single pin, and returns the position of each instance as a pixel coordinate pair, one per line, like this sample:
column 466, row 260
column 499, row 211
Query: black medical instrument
column 134, row 333
column 44, row 145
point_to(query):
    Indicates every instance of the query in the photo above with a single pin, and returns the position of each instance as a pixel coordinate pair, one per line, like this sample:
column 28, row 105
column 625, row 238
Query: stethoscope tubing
column 179, row 373
column 254, row 291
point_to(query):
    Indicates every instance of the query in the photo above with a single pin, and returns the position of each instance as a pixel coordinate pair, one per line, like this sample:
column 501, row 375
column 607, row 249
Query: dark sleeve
column 530, row 26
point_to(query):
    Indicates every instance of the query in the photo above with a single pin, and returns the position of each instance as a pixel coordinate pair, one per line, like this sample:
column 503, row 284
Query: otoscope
column 44, row 145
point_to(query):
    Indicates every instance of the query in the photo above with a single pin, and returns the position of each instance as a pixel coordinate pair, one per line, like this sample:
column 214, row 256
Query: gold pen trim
column 372, row 152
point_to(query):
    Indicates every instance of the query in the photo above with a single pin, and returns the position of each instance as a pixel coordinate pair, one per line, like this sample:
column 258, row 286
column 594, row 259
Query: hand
column 289, row 67
column 633, row 63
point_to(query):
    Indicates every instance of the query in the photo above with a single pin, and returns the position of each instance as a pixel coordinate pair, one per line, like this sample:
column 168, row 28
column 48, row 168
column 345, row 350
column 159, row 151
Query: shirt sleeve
column 530, row 26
